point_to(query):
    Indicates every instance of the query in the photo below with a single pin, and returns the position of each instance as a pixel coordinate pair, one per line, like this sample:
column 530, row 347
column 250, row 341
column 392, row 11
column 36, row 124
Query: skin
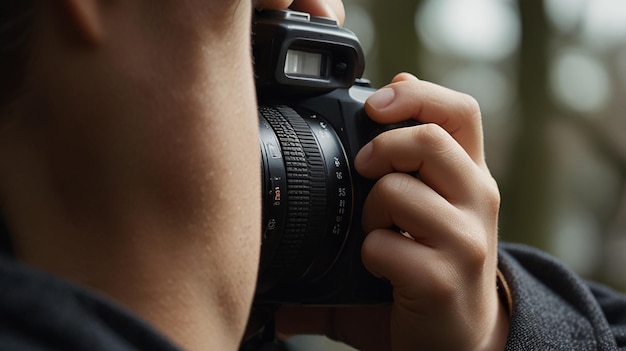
column 126, row 132
column 138, row 126
column 444, row 270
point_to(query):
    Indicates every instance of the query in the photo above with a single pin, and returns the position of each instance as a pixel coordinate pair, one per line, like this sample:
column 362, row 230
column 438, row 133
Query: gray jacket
column 554, row 309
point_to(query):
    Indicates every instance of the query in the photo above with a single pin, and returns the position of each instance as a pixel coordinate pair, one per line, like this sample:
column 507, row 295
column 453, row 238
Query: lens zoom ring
column 306, row 190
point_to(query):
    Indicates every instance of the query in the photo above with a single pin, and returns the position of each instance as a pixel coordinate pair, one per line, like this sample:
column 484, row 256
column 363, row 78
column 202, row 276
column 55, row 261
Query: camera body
column 312, row 124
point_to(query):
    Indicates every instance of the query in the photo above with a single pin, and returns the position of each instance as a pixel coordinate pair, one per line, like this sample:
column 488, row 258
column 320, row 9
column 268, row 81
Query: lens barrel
column 307, row 196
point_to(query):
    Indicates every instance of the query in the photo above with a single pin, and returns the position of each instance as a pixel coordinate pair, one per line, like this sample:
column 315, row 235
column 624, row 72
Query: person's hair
column 17, row 26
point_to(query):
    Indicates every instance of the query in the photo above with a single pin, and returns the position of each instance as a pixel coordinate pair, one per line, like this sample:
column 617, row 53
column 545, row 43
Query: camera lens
column 307, row 196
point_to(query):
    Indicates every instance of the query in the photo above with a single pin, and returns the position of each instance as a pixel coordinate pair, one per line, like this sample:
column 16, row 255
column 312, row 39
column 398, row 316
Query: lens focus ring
column 306, row 189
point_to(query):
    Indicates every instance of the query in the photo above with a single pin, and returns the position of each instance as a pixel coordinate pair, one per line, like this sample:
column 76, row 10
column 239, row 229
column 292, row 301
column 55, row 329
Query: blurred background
column 550, row 76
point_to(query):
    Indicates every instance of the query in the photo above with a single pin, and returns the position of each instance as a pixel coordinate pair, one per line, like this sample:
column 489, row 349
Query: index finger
column 408, row 97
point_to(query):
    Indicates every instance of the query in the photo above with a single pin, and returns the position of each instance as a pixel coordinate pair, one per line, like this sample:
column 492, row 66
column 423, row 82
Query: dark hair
column 17, row 25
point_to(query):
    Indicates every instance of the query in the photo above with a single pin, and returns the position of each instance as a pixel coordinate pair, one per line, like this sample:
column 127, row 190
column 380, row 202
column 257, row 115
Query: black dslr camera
column 312, row 124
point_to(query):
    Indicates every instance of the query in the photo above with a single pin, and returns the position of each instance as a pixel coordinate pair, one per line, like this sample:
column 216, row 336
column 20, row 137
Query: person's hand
column 324, row 8
column 443, row 271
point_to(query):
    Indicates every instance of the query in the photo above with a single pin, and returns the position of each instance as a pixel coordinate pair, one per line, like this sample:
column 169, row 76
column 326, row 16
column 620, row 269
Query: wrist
column 504, row 307
column 497, row 329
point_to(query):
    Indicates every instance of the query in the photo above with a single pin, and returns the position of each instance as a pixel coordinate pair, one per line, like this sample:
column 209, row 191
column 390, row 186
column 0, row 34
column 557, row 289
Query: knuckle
column 380, row 141
column 474, row 245
column 492, row 196
column 392, row 183
column 470, row 106
column 477, row 237
column 486, row 196
column 476, row 253
column 431, row 136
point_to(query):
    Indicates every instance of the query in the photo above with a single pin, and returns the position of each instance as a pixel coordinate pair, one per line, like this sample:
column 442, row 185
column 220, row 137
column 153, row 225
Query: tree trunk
column 397, row 44
column 526, row 199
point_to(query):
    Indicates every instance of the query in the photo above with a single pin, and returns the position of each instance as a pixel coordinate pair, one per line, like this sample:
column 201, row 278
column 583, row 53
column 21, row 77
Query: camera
column 311, row 125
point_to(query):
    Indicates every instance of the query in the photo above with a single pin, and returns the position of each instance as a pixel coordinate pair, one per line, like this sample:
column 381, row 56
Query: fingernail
column 382, row 98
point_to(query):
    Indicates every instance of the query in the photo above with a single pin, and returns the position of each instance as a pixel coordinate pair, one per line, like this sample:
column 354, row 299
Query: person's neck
column 154, row 281
column 166, row 268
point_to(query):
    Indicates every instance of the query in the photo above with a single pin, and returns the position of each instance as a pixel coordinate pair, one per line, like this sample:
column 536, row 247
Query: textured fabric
column 553, row 309
column 41, row 312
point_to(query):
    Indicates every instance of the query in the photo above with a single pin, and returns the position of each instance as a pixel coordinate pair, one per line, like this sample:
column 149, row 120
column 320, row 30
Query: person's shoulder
column 41, row 312
column 553, row 307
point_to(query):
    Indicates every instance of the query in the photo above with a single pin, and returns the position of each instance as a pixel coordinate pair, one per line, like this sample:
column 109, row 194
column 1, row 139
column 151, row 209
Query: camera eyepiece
column 295, row 53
